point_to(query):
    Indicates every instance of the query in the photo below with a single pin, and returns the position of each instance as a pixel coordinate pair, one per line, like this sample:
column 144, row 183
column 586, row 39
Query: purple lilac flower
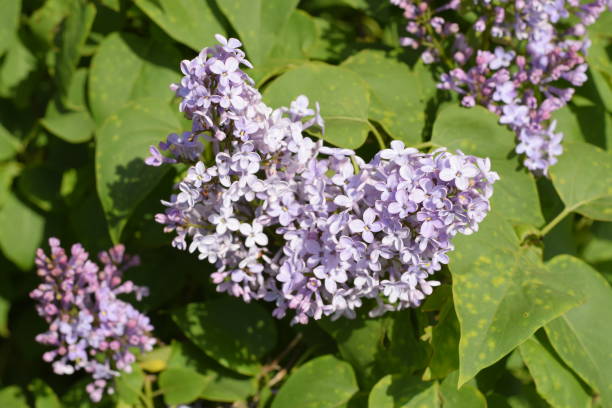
column 90, row 328
column 290, row 221
column 486, row 67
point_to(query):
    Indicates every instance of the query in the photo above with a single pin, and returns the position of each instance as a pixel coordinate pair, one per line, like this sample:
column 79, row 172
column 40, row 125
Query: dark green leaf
column 222, row 385
column 19, row 62
column 192, row 22
column 583, row 336
column 123, row 179
column 476, row 131
column 41, row 186
column 5, row 307
column 503, row 293
column 583, row 179
column 404, row 391
column 22, row 232
column 342, row 94
column 234, row 333
column 324, row 382
column 44, row 396
column 554, row 382
column 44, row 21
column 445, row 343
column 258, row 23
column 398, row 94
column 127, row 67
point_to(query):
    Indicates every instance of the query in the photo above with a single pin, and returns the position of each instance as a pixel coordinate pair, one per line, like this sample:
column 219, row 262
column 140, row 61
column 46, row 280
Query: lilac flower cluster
column 90, row 328
column 520, row 59
column 314, row 229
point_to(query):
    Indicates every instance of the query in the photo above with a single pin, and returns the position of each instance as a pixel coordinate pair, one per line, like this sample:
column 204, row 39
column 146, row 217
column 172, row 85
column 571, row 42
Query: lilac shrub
column 90, row 328
column 520, row 59
column 313, row 229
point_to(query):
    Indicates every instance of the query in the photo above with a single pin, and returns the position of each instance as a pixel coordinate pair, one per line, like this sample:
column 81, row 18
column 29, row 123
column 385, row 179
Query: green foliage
column 520, row 320
column 322, row 382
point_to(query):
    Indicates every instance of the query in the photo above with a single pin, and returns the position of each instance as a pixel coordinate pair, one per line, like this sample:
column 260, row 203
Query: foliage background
column 523, row 317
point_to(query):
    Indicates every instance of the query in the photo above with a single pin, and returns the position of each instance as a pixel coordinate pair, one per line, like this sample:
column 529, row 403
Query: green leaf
column 129, row 385
column 445, row 342
column 8, row 171
column 503, row 293
column 222, row 385
column 44, row 395
column 19, row 62
column 75, row 30
column 258, row 23
column 5, row 307
column 41, row 186
column 73, row 127
column 9, row 145
column 127, row 67
column 181, row 385
column 583, row 179
column 583, row 336
column 192, row 22
column 476, row 131
column 403, row 391
column 123, row 179
column 398, row 94
column 19, row 244
column 553, row 381
column 467, row 396
column 342, row 94
column 234, row 333
column 12, row 397
column 323, row 382
column 44, row 21
column 292, row 48
column 9, row 21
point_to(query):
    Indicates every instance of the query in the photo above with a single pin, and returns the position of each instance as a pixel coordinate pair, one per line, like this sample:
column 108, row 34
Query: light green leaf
column 75, row 30
column 123, row 179
column 223, row 385
column 468, row 396
column 234, row 333
column 191, row 22
column 583, row 179
column 73, row 127
column 19, row 244
column 129, row 385
column 12, row 397
column 127, row 67
column 258, row 23
column 323, row 382
column 554, row 382
column 342, row 94
column 583, row 336
column 404, row 391
column 9, row 145
column 44, row 21
column 44, row 395
column 181, row 385
column 476, row 131
column 398, row 94
column 9, row 21
column 503, row 293
column 19, row 62
column 292, row 47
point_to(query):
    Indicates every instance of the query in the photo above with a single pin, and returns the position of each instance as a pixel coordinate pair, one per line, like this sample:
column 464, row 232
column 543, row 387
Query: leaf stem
column 378, row 136
column 553, row 223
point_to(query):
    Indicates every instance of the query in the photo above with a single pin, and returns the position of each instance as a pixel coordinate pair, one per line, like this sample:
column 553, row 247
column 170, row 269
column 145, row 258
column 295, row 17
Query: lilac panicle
column 521, row 60
column 311, row 228
column 90, row 328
